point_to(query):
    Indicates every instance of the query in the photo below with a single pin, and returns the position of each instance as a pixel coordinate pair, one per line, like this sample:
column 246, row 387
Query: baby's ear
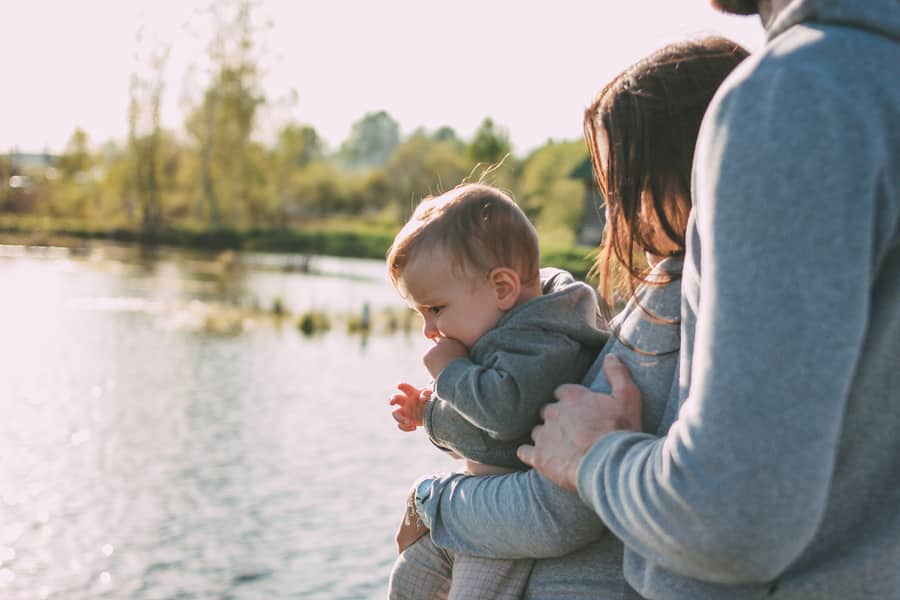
column 507, row 286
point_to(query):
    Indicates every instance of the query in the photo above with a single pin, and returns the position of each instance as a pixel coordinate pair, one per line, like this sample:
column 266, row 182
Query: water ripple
column 146, row 462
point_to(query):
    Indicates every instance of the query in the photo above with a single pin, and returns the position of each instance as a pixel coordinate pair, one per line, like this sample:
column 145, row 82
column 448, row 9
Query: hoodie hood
column 567, row 306
column 881, row 17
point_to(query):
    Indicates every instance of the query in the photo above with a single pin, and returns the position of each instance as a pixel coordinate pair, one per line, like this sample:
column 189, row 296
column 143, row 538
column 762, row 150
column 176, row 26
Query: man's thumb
column 525, row 452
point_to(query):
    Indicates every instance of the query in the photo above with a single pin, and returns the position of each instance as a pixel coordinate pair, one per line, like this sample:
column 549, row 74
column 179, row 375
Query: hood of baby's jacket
column 567, row 306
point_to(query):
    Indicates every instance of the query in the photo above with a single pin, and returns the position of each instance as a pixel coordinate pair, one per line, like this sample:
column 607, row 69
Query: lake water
column 160, row 439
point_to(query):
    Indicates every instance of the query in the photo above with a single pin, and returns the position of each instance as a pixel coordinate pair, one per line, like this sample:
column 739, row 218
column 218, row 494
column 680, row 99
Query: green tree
column 222, row 124
column 371, row 141
column 146, row 89
column 114, row 202
column 256, row 200
column 76, row 159
column 76, row 187
column 6, row 172
column 319, row 189
column 422, row 166
column 370, row 193
column 446, row 133
column 547, row 193
column 489, row 145
column 297, row 147
column 201, row 126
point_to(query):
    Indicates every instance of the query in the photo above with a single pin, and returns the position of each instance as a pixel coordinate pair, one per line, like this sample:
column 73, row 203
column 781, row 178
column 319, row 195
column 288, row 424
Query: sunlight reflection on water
column 142, row 460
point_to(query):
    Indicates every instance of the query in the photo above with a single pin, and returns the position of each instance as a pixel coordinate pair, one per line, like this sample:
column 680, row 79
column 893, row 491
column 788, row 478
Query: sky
column 530, row 66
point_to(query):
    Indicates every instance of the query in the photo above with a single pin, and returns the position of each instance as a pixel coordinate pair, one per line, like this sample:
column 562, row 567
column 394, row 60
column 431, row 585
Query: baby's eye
column 435, row 309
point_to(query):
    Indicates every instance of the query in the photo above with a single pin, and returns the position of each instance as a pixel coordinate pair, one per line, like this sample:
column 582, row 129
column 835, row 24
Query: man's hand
column 410, row 406
column 578, row 420
column 444, row 351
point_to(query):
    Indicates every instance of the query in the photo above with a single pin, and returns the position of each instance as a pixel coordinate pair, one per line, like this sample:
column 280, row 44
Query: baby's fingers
column 403, row 422
column 408, row 389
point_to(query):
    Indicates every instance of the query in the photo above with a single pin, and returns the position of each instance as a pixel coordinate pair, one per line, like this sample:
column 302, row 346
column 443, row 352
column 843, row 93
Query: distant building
column 590, row 232
column 30, row 162
column 19, row 174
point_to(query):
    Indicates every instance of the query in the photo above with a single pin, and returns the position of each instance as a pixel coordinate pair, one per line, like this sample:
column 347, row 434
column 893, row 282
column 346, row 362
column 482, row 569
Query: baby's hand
column 444, row 352
column 410, row 406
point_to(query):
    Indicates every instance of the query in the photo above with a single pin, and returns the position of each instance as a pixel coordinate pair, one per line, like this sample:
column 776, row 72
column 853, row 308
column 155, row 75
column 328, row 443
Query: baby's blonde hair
column 481, row 228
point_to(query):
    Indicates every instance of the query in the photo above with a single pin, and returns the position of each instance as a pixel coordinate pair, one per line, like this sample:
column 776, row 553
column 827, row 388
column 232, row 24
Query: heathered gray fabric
column 525, row 515
column 781, row 476
column 487, row 404
column 647, row 340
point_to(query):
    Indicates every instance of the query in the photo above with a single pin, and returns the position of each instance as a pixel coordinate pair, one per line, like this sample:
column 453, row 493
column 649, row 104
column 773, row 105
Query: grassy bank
column 356, row 239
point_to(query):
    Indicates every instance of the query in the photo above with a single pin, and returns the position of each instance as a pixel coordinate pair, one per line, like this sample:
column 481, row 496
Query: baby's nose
column 430, row 331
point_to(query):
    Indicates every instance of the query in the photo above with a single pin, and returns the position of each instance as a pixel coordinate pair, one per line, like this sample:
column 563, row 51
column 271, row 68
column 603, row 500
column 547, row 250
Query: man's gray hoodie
column 487, row 404
column 781, row 475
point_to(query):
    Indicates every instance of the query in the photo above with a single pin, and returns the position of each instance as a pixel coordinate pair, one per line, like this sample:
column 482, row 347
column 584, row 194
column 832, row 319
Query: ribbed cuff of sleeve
column 427, row 417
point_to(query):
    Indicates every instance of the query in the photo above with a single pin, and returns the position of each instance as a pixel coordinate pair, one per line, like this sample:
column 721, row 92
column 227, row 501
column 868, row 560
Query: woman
column 641, row 130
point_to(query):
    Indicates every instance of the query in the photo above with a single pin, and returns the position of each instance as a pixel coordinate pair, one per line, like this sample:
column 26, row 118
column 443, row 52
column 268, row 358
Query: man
column 781, row 475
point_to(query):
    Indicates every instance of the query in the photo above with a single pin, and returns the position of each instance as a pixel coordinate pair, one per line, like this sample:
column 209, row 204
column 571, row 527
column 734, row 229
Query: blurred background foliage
column 218, row 181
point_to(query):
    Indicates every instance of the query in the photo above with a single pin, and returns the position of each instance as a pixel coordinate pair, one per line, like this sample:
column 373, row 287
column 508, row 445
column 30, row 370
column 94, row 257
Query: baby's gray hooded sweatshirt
column 487, row 404
column 781, row 475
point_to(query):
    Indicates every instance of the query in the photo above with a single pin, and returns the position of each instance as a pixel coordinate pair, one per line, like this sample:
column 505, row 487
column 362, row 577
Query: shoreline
column 351, row 240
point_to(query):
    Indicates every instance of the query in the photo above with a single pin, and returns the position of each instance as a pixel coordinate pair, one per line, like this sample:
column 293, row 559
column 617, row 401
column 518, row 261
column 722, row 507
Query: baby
column 506, row 334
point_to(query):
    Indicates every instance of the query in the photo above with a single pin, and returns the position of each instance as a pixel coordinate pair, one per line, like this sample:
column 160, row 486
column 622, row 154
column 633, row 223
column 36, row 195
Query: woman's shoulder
column 657, row 300
column 650, row 324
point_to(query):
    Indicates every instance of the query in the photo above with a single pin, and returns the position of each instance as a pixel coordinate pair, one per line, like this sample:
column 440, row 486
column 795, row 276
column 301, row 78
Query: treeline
column 375, row 175
column 215, row 172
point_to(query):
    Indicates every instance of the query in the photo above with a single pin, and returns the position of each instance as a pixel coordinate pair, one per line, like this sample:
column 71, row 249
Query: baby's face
column 455, row 304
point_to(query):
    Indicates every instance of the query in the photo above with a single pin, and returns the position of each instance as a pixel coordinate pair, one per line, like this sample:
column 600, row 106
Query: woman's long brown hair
column 650, row 115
